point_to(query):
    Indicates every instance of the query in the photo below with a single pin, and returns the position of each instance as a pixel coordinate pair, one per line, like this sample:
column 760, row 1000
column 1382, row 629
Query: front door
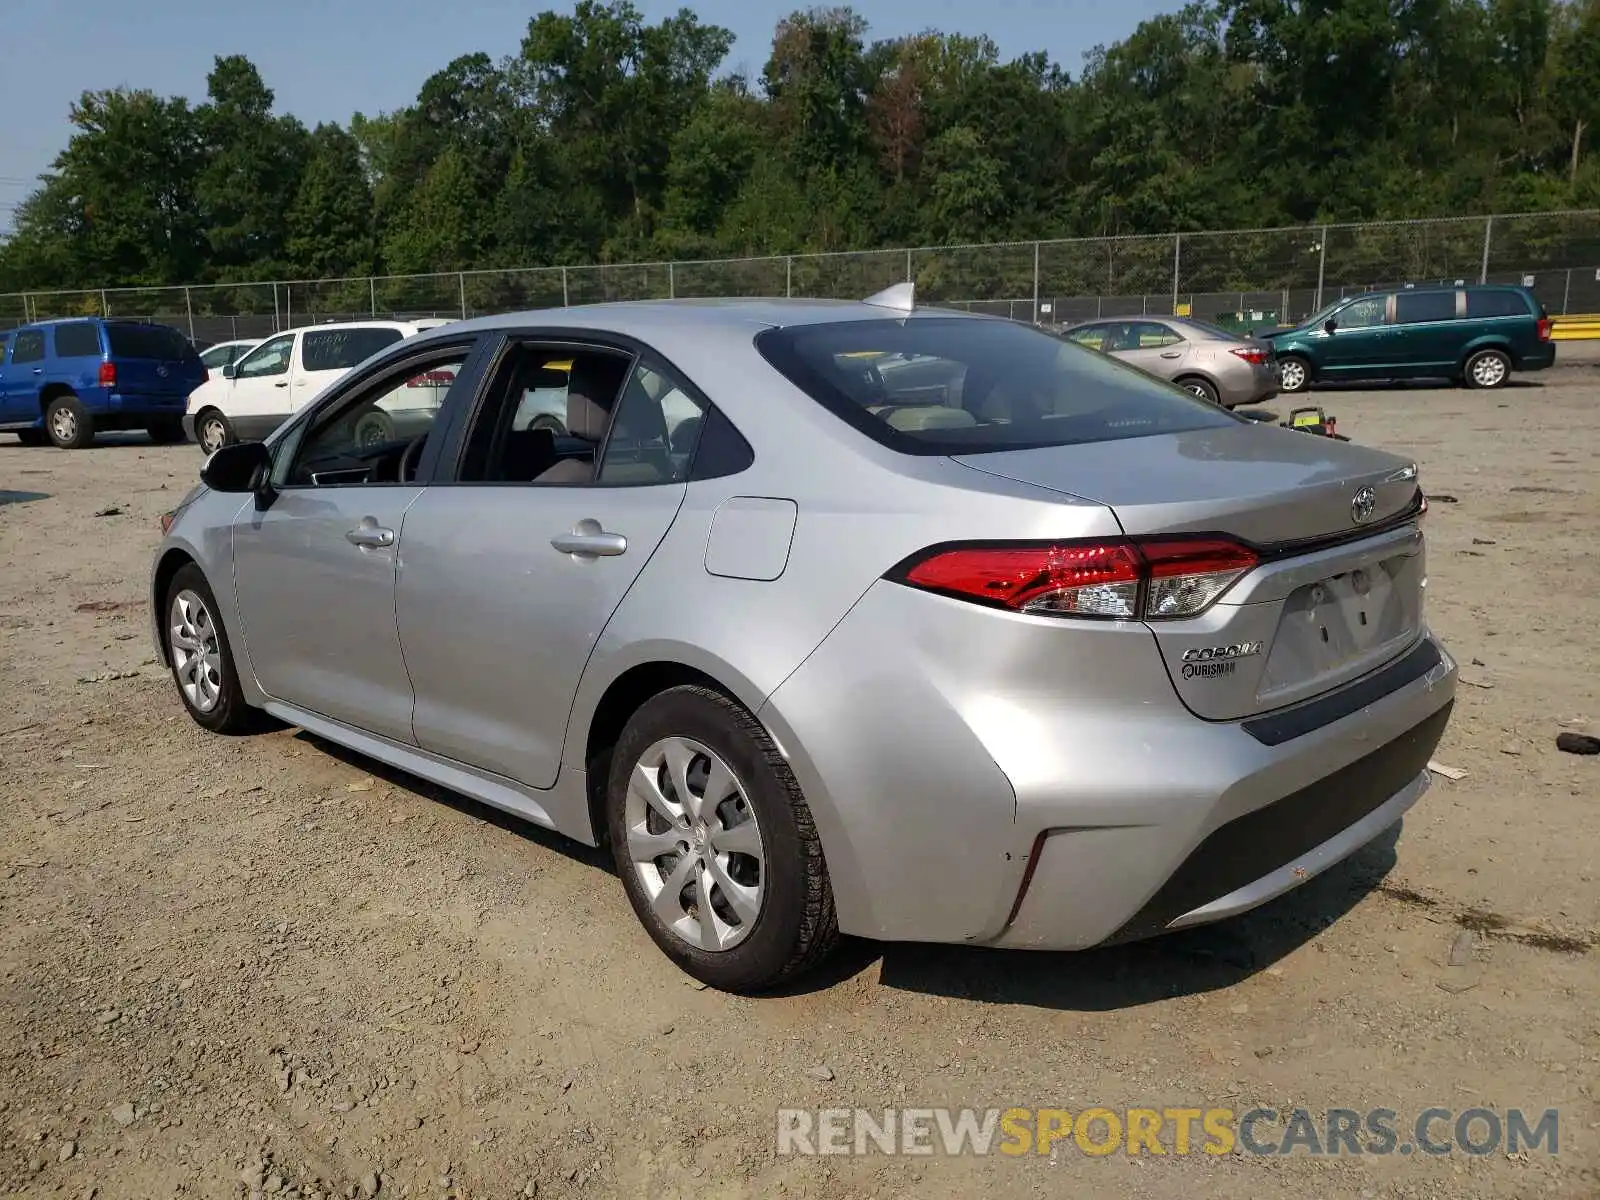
column 510, row 575
column 1358, row 346
column 1152, row 347
column 23, row 376
column 315, row 571
column 258, row 393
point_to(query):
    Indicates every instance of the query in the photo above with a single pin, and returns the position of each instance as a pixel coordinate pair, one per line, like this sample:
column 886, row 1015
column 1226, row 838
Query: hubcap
column 196, row 655
column 1489, row 370
column 64, row 424
column 1198, row 390
column 1292, row 375
column 694, row 844
column 212, row 435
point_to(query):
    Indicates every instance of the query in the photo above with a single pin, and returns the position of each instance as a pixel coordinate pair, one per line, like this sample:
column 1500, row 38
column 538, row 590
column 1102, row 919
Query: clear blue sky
column 326, row 59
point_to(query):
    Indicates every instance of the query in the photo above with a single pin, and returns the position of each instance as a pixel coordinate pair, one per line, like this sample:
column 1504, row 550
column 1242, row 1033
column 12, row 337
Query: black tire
column 1201, row 388
column 1488, row 369
column 229, row 714
column 32, row 437
column 213, row 430
column 165, row 431
column 374, row 427
column 796, row 926
column 1299, row 374
column 67, row 423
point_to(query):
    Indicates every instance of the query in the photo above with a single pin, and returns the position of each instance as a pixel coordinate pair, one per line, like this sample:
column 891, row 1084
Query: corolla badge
column 1363, row 505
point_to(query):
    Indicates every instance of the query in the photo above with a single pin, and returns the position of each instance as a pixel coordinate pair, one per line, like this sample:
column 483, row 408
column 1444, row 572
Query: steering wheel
column 406, row 471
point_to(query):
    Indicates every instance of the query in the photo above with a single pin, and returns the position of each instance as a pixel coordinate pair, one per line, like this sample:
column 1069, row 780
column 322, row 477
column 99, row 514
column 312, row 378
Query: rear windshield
column 957, row 385
column 148, row 341
column 1496, row 304
column 341, row 349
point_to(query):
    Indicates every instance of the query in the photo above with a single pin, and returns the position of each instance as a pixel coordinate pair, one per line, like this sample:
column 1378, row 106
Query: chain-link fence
column 1261, row 274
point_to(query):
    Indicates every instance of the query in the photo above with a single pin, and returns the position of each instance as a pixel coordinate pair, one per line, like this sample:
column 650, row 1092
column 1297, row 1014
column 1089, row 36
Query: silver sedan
column 833, row 617
column 1225, row 368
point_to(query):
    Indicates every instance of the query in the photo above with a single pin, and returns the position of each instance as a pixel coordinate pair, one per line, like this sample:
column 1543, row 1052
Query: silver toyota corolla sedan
column 833, row 617
column 1230, row 369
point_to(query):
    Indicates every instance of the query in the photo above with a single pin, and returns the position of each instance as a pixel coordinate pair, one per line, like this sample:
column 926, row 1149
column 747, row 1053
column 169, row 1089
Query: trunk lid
column 1325, row 605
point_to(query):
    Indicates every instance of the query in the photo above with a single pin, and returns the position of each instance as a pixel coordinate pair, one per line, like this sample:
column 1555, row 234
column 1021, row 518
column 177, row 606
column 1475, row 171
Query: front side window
column 77, row 340
column 1018, row 387
column 218, row 356
column 341, row 349
column 375, row 433
column 29, row 347
column 1363, row 313
column 269, row 358
column 1413, row 307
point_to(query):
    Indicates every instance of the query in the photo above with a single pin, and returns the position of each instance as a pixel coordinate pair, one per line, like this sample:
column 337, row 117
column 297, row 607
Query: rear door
column 155, row 364
column 1428, row 335
column 326, row 355
column 1357, row 348
column 1152, row 347
column 510, row 573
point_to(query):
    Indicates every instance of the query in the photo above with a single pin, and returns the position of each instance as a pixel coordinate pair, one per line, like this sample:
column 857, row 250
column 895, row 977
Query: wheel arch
column 622, row 697
column 1487, row 341
column 1198, row 376
column 53, row 391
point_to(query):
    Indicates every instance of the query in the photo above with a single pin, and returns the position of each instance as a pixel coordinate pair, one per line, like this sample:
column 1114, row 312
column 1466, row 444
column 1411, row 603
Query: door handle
column 366, row 535
column 38, row 370
column 281, row 383
column 601, row 543
column 1172, row 354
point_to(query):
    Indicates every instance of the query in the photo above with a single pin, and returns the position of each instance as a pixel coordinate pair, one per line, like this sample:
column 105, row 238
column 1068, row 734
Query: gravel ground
column 233, row 967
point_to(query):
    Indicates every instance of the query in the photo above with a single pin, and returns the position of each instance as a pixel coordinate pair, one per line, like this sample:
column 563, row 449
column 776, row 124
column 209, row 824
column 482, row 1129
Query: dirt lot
column 228, row 964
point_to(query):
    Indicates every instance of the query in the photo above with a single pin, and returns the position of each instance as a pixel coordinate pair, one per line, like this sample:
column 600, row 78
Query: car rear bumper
column 1539, row 358
column 1021, row 783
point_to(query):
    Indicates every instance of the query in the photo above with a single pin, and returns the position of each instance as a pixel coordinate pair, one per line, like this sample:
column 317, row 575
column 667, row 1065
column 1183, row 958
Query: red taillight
column 1253, row 355
column 1546, row 327
column 108, row 374
column 1154, row 579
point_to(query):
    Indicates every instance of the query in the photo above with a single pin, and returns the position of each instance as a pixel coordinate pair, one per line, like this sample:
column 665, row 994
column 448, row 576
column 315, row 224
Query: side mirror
column 1330, row 325
column 229, row 370
column 241, row 468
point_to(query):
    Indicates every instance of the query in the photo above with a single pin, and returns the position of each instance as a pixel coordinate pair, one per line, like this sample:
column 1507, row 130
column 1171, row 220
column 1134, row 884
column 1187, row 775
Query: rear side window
column 1496, row 304
column 956, row 385
column 148, row 341
column 1411, row 307
column 78, row 340
column 341, row 349
column 29, row 347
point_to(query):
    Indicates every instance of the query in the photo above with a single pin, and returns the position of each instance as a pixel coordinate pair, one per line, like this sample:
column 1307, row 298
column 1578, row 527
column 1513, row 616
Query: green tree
column 329, row 228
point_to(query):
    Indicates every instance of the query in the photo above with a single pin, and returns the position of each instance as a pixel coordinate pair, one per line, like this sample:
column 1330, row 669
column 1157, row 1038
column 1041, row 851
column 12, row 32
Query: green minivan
column 1472, row 335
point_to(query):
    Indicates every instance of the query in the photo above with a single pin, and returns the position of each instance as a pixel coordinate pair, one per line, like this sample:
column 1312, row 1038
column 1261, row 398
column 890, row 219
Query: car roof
column 710, row 317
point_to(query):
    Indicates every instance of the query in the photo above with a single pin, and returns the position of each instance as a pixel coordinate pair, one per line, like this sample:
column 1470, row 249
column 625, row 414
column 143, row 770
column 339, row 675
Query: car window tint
column 341, row 349
column 29, row 347
column 1364, row 313
column 1496, row 304
column 1093, row 336
column 1411, row 307
column 546, row 408
column 269, row 358
column 77, row 340
column 980, row 385
column 360, row 438
column 147, row 341
column 653, row 432
column 218, row 356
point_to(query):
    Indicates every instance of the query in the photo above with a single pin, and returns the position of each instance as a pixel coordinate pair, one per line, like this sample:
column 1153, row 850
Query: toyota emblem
column 161, row 371
column 1363, row 505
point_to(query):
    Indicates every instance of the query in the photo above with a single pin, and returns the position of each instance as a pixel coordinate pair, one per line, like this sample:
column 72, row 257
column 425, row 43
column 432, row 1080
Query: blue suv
column 67, row 380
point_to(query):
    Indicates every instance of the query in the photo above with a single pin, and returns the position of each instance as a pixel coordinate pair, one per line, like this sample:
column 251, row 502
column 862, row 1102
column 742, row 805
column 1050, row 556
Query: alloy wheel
column 694, row 844
column 1488, row 370
column 1291, row 375
column 64, row 424
column 196, row 651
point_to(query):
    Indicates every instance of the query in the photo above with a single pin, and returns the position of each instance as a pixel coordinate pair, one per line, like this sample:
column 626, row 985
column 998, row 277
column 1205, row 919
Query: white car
column 254, row 395
column 216, row 357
